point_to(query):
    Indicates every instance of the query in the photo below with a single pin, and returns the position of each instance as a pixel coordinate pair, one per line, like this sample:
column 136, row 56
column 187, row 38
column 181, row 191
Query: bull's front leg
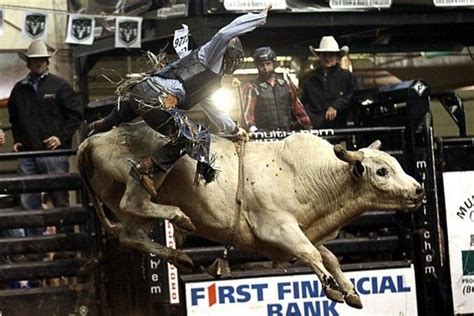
column 332, row 265
column 284, row 233
column 136, row 201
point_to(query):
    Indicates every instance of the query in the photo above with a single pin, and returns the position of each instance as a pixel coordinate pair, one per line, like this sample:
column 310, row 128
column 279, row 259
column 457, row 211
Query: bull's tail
column 83, row 159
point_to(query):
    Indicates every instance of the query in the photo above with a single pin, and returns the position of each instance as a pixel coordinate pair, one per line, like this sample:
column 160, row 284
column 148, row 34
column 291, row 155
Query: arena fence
column 53, row 274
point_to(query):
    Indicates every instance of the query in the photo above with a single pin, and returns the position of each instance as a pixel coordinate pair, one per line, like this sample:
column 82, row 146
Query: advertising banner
column 34, row 26
column 80, row 29
column 174, row 9
column 244, row 5
column 388, row 292
column 162, row 277
column 359, row 4
column 459, row 199
column 453, row 3
column 128, row 32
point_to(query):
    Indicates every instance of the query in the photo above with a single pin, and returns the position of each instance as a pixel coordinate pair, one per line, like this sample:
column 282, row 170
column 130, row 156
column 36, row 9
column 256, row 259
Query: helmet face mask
column 234, row 56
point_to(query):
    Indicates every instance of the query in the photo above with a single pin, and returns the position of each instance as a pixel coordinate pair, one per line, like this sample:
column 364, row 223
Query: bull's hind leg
column 135, row 235
column 136, row 201
column 285, row 234
column 348, row 290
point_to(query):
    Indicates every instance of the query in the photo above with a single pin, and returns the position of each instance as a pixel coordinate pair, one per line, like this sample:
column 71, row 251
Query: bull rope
column 238, row 198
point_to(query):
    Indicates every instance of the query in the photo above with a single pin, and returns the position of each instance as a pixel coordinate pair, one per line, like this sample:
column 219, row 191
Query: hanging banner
column 80, row 29
column 1, row 22
column 250, row 5
column 359, row 4
column 387, row 292
column 128, row 32
column 34, row 26
column 453, row 3
column 181, row 41
column 174, row 9
column 459, row 199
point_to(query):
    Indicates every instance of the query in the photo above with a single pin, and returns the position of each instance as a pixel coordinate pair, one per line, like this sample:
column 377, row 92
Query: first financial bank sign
column 383, row 292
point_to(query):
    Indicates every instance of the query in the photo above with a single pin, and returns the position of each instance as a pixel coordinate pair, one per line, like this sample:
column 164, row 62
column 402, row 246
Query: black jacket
column 320, row 91
column 54, row 109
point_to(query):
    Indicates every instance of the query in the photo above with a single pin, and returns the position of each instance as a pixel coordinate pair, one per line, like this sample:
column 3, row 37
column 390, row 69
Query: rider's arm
column 211, row 53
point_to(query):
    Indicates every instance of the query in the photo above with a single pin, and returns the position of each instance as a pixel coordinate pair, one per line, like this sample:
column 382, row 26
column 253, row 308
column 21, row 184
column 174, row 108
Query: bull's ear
column 358, row 169
column 375, row 145
column 347, row 155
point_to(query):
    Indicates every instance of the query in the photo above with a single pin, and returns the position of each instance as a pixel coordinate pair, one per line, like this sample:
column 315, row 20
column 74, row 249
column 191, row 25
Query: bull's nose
column 419, row 191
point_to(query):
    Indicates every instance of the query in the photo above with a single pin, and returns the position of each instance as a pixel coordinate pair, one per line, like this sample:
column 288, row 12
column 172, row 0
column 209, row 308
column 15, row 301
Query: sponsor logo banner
column 359, row 4
column 247, row 5
column 453, row 3
column 459, row 199
column 34, row 26
column 128, row 32
column 388, row 292
column 80, row 29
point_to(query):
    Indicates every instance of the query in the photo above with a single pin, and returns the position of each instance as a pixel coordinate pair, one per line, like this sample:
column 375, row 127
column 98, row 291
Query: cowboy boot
column 143, row 172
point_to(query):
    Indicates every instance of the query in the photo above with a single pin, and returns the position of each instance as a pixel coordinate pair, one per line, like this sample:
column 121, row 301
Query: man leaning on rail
column 44, row 112
column 160, row 98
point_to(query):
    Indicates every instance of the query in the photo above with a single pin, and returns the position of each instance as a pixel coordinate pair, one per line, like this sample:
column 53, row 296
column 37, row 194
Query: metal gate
column 57, row 273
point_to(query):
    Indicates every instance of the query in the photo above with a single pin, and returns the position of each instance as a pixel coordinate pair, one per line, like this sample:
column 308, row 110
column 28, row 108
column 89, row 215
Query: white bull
column 297, row 193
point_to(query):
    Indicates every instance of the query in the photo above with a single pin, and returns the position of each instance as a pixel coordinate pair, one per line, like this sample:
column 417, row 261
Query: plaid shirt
column 250, row 98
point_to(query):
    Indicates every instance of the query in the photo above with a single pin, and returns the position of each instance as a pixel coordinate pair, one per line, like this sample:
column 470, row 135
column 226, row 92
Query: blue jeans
column 33, row 201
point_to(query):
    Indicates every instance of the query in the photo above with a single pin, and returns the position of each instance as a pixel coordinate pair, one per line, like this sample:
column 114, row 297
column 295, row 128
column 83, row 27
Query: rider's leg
column 152, row 171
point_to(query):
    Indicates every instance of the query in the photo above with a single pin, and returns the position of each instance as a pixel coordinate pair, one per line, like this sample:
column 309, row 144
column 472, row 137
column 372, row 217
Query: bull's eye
column 382, row 172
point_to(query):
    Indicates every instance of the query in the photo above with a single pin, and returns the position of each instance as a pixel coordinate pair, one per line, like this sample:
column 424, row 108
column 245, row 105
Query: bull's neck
column 336, row 200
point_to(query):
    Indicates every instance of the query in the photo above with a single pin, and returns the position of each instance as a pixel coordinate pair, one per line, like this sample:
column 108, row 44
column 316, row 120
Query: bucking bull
column 296, row 194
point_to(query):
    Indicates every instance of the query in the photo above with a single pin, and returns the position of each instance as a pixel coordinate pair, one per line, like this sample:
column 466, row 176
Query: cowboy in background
column 327, row 90
column 44, row 114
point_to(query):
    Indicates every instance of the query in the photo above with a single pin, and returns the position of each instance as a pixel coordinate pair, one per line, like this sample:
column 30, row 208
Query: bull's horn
column 375, row 145
column 347, row 155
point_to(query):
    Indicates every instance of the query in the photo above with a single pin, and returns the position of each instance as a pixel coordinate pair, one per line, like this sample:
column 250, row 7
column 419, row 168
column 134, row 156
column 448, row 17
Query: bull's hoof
column 333, row 294
column 184, row 223
column 183, row 261
column 115, row 229
column 353, row 300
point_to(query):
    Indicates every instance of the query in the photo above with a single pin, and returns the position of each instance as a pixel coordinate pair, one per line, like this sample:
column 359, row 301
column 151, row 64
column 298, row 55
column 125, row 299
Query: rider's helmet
column 234, row 56
column 263, row 54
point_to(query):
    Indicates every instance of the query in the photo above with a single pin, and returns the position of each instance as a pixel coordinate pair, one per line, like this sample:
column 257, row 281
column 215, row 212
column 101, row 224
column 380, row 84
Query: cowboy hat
column 37, row 49
column 328, row 45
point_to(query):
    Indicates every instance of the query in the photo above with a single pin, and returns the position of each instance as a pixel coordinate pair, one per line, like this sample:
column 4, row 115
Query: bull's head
column 388, row 186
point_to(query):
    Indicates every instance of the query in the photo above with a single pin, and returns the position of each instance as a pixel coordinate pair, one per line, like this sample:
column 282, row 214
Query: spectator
column 160, row 98
column 44, row 114
column 327, row 91
column 271, row 100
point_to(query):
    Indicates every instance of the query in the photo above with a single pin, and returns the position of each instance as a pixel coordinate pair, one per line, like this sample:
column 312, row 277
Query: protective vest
column 198, row 80
column 273, row 108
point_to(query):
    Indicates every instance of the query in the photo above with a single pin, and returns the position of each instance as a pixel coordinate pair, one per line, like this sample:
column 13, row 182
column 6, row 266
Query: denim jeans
column 33, row 201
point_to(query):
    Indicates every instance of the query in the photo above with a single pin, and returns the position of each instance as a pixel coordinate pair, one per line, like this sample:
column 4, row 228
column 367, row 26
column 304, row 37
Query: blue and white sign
column 388, row 292
column 459, row 199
